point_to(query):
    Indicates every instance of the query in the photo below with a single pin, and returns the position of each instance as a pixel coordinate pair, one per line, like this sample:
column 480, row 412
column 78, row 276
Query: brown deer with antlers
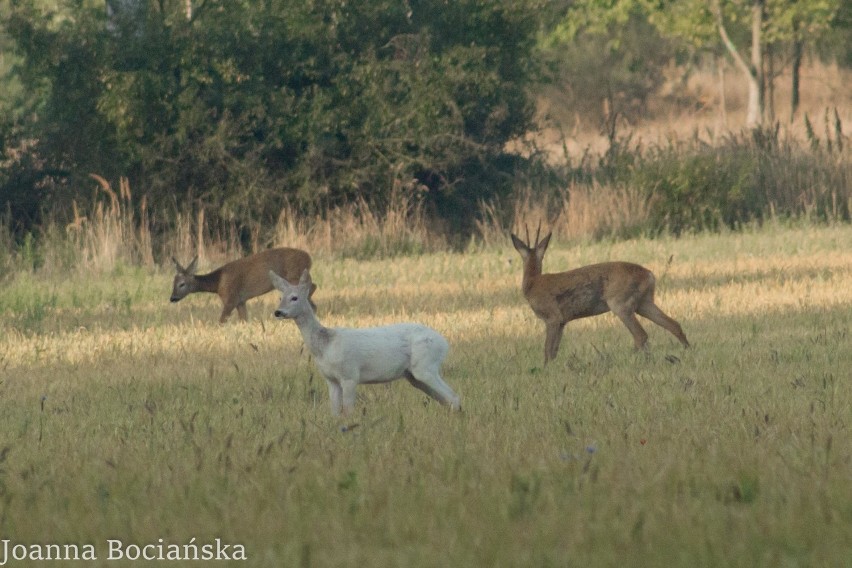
column 624, row 288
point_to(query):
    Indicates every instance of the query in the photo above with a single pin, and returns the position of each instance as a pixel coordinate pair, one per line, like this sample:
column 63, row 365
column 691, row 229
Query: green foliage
column 836, row 43
column 695, row 26
column 250, row 105
column 27, row 305
column 693, row 186
column 703, row 189
column 610, row 73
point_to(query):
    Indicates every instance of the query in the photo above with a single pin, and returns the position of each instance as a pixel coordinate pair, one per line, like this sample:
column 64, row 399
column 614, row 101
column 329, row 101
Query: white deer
column 348, row 357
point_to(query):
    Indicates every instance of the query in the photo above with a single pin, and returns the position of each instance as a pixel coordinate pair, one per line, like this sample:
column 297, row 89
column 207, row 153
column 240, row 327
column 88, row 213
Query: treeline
column 244, row 108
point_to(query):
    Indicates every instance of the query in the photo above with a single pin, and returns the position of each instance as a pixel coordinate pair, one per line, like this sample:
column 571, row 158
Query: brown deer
column 242, row 279
column 624, row 288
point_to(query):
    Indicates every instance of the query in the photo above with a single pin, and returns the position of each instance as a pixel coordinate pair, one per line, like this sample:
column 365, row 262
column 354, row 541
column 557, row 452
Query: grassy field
column 124, row 417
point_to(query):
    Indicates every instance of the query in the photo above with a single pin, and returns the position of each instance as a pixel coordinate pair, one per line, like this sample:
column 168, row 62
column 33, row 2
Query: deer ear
column 520, row 246
column 178, row 266
column 306, row 278
column 542, row 246
column 277, row 281
column 190, row 269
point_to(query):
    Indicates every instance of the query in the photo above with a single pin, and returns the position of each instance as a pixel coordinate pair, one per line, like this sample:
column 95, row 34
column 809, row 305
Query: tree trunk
column 723, row 100
column 798, row 49
column 769, row 81
column 757, row 85
column 753, row 71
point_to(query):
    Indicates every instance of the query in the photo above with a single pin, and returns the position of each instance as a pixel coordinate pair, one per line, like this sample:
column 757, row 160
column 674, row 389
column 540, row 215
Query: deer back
column 248, row 277
column 589, row 290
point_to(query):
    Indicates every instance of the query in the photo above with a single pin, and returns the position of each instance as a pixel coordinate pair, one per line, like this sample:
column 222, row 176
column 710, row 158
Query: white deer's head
column 294, row 297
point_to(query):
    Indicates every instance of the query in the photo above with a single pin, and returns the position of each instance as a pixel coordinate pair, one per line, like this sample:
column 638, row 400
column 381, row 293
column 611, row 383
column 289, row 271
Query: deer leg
column 640, row 336
column 434, row 386
column 553, row 336
column 347, row 388
column 334, row 396
column 226, row 311
column 651, row 311
column 242, row 311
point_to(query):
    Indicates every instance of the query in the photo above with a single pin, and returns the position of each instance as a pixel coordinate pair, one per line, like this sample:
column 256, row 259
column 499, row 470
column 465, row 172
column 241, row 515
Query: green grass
column 125, row 417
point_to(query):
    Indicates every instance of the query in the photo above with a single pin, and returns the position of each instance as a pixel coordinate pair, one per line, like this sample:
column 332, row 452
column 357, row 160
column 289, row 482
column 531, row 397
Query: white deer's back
column 379, row 354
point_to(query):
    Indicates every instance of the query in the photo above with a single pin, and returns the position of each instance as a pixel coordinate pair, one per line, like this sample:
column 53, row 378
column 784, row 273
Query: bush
column 694, row 186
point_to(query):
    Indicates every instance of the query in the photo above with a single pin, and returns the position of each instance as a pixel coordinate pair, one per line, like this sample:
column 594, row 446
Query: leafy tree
column 243, row 105
column 738, row 26
column 610, row 66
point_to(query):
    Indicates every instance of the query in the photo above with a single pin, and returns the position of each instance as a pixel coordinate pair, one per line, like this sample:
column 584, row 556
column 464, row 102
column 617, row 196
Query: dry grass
column 110, row 232
column 126, row 417
column 118, row 231
column 358, row 230
column 582, row 213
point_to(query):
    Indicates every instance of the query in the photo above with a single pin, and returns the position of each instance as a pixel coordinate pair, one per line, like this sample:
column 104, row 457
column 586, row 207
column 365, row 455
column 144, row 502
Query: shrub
column 694, row 186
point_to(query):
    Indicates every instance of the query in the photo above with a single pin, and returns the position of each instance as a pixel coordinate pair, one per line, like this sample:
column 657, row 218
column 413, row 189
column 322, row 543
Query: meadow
column 125, row 417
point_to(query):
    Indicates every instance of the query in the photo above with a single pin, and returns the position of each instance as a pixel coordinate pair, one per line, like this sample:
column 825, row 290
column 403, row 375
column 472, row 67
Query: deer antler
column 537, row 233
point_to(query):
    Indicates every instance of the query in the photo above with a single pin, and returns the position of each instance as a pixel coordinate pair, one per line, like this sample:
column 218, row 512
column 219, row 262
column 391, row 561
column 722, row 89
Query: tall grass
column 113, row 231
column 631, row 189
column 118, row 230
column 360, row 231
column 687, row 185
column 580, row 212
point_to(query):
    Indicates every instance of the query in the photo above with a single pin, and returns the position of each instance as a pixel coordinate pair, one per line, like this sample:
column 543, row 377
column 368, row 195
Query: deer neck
column 208, row 282
column 315, row 335
column 532, row 270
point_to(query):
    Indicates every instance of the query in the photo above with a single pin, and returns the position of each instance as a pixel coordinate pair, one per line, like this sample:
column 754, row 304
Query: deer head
column 531, row 255
column 184, row 282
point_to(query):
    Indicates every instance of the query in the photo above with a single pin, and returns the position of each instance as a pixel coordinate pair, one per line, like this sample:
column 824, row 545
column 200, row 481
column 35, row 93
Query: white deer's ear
column 277, row 281
column 305, row 278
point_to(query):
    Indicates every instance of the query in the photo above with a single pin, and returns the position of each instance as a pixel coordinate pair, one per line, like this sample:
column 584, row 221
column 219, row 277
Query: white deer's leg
column 427, row 354
column 348, row 389
column 425, row 371
column 334, row 396
column 421, row 386
column 433, row 385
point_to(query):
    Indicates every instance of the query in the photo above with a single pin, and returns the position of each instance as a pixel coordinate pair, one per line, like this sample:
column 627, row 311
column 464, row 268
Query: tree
column 738, row 25
column 243, row 105
column 608, row 66
column 752, row 69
